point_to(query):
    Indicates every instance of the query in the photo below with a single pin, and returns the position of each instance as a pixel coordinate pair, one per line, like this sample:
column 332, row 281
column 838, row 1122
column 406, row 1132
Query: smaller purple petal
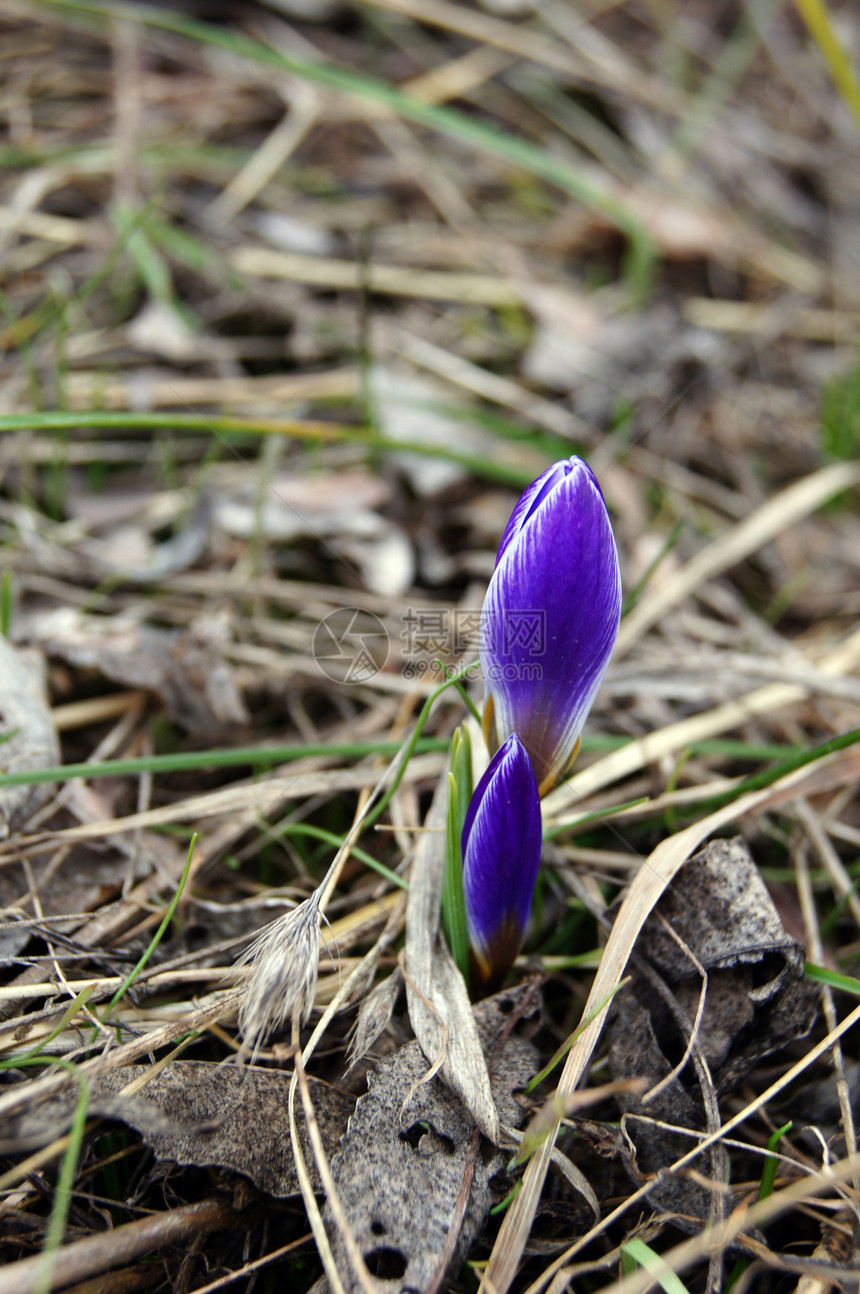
column 501, row 855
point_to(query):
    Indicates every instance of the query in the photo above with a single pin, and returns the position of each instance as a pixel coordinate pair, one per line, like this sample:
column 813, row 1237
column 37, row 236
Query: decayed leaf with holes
column 757, row 998
column 201, row 1114
column 756, row 1002
column 412, row 1148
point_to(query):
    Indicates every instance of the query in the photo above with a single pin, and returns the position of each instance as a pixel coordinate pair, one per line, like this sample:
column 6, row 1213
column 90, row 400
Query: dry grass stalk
column 674, row 737
column 85, row 1258
column 774, row 516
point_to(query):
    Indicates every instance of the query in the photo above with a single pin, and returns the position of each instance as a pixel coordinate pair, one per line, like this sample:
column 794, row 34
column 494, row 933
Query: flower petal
column 551, row 616
column 531, row 499
column 501, row 854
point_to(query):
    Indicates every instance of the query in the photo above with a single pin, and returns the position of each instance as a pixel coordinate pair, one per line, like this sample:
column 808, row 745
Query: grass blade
column 453, row 899
column 635, row 1253
column 156, row 938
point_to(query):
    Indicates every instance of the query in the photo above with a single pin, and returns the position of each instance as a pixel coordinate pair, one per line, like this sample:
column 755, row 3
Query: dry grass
column 290, row 307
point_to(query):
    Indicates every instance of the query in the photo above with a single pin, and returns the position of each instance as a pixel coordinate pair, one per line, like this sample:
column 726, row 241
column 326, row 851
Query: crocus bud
column 501, row 855
column 550, row 618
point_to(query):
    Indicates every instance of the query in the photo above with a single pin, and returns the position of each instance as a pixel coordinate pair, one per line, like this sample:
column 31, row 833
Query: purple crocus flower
column 501, row 855
column 550, row 617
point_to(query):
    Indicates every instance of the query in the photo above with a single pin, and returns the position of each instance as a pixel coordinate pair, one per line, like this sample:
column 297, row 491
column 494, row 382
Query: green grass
column 840, row 416
column 63, row 1190
column 216, row 424
column 157, row 937
column 635, row 1254
column 331, row 838
column 453, row 896
column 822, row 975
column 258, row 757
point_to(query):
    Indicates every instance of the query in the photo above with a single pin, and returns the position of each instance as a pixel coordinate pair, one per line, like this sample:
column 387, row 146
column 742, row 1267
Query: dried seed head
column 284, row 962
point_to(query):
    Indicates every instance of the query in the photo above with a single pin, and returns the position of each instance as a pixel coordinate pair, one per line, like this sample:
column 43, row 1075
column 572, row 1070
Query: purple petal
column 551, row 616
column 501, row 855
column 531, row 499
